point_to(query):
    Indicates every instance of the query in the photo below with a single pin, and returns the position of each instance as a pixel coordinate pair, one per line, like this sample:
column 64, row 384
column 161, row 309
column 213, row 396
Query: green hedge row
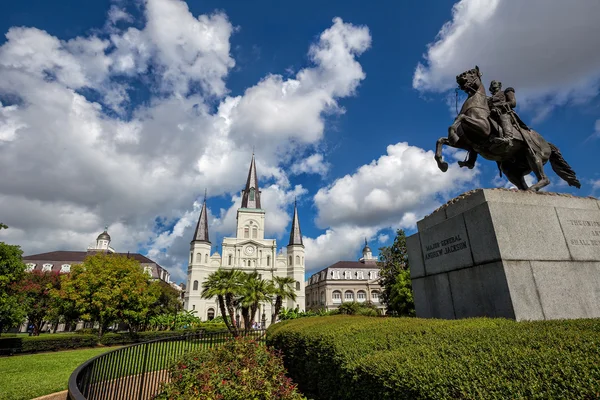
column 34, row 344
column 353, row 357
column 65, row 341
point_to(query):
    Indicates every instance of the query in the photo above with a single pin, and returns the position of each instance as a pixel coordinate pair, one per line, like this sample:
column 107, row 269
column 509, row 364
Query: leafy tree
column 395, row 277
column 225, row 285
column 167, row 304
column 34, row 291
column 63, row 309
column 12, row 270
column 108, row 288
column 283, row 289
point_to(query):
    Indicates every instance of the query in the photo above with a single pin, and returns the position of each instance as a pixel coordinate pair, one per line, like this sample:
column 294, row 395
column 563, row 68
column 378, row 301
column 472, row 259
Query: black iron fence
column 137, row 371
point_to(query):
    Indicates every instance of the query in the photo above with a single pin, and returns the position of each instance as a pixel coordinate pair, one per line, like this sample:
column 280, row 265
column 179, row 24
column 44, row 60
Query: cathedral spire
column 201, row 234
column 295, row 232
column 251, row 194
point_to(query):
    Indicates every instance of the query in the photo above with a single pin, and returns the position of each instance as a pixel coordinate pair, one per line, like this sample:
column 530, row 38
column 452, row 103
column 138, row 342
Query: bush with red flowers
column 240, row 369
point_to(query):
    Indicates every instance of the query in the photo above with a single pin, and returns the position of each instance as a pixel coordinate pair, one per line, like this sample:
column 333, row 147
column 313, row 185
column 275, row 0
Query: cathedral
column 248, row 251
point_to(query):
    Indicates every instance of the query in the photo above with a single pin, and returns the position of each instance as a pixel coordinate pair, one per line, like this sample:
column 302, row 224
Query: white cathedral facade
column 248, row 251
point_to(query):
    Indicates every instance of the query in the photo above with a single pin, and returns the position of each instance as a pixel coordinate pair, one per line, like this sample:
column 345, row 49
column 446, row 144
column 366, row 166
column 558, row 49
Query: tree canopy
column 108, row 288
column 12, row 270
column 394, row 274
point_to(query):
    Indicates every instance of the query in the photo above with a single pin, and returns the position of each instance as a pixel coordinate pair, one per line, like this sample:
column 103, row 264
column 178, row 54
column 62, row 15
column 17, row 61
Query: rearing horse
column 472, row 131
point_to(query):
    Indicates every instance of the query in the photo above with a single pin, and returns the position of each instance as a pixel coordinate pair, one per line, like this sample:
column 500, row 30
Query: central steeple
column 201, row 234
column 251, row 194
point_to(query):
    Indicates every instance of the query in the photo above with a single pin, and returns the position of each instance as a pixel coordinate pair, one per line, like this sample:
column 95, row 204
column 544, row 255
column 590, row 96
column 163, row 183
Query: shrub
column 354, row 308
column 351, row 357
column 87, row 331
column 34, row 344
column 239, row 369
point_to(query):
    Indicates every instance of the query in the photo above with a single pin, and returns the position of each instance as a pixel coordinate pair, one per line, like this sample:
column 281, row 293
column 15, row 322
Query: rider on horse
column 502, row 104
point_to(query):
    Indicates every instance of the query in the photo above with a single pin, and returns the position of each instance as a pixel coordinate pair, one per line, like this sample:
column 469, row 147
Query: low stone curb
column 54, row 396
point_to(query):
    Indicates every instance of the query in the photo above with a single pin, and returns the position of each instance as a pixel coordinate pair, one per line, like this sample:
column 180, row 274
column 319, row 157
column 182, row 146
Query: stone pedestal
column 512, row 254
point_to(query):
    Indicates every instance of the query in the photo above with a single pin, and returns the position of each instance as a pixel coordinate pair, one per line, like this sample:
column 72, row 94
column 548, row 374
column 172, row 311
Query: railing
column 137, row 371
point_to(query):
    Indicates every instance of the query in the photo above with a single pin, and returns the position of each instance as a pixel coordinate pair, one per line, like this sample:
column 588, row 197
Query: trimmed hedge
column 65, row 341
column 353, row 357
column 33, row 344
column 113, row 339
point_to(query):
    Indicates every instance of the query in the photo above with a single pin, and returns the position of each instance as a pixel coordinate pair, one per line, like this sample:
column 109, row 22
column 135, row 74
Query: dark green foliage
column 353, row 357
column 81, row 338
column 240, row 369
column 355, row 308
column 395, row 280
column 12, row 270
column 34, row 344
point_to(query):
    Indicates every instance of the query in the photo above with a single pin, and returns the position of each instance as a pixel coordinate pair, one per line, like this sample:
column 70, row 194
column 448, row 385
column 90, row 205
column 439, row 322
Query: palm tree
column 225, row 285
column 283, row 289
column 254, row 291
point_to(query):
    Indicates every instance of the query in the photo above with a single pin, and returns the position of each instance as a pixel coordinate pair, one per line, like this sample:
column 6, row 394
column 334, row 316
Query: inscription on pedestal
column 445, row 246
column 593, row 231
column 582, row 232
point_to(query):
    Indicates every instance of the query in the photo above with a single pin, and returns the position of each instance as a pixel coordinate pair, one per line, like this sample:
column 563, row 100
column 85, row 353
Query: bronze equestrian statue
column 491, row 127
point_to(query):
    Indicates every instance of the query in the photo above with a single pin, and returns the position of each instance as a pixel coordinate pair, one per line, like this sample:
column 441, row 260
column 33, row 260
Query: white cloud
column 189, row 49
column 70, row 167
column 336, row 244
column 404, row 180
column 547, row 49
column 313, row 164
column 382, row 238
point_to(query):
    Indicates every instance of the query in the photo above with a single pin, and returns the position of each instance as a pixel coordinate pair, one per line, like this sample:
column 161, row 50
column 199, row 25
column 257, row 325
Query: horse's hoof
column 443, row 166
column 463, row 164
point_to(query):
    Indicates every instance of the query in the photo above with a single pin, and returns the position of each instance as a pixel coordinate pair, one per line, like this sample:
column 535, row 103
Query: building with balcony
column 345, row 281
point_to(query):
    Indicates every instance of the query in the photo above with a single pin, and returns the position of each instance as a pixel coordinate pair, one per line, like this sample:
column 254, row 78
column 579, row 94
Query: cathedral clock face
column 249, row 250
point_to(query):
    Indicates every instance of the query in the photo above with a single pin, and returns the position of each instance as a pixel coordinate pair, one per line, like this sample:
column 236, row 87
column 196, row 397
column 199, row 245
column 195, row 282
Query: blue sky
column 121, row 113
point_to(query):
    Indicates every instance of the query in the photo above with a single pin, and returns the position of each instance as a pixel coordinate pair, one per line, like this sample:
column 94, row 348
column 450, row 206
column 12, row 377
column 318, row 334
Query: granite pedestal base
column 511, row 254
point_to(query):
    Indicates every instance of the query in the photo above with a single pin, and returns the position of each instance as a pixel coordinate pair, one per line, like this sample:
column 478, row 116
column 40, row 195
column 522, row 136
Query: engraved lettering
column 446, row 246
column 581, row 222
column 592, row 233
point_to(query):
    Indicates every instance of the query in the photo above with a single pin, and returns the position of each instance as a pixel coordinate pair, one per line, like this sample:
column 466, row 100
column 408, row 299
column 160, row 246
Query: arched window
column 254, row 232
column 361, row 296
column 302, row 260
column 291, row 260
column 210, row 315
column 246, row 232
column 348, row 295
column 229, row 260
column 195, row 285
column 322, row 297
column 337, row 297
column 191, row 257
column 375, row 296
column 252, row 194
column 297, row 285
column 198, row 257
column 297, row 260
column 268, row 261
column 206, row 258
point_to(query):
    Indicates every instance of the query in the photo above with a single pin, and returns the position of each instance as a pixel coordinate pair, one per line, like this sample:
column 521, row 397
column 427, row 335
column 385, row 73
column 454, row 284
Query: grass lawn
column 24, row 377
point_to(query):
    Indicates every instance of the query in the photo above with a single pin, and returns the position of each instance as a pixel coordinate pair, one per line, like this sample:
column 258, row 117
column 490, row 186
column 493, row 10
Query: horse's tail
column 562, row 167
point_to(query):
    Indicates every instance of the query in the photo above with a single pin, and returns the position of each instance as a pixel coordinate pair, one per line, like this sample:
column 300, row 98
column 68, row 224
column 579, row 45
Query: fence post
column 145, row 362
